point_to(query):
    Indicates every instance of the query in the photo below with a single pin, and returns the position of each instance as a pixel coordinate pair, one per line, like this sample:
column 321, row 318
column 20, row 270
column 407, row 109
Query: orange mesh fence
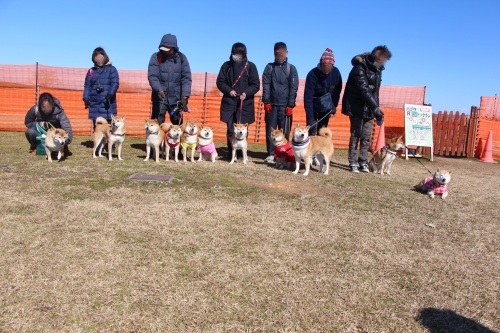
column 489, row 120
column 18, row 94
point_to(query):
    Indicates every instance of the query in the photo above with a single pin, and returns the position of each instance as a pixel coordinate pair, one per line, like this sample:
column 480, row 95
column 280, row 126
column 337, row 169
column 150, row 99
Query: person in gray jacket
column 169, row 76
column 280, row 82
column 48, row 113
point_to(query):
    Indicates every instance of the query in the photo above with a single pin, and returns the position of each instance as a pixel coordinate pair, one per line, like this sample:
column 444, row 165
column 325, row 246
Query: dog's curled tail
column 101, row 120
column 326, row 132
column 165, row 127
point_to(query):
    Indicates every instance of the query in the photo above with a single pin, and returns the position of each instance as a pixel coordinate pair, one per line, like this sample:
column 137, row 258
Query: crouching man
column 47, row 113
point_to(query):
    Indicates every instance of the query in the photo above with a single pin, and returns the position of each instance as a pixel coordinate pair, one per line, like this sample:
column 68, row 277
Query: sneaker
column 354, row 168
column 269, row 159
column 364, row 168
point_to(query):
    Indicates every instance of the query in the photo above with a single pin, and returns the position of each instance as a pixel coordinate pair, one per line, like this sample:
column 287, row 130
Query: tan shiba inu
column 110, row 134
column 172, row 139
column 239, row 142
column 55, row 140
column 283, row 152
column 304, row 147
column 206, row 147
column 437, row 184
column 155, row 138
column 189, row 138
column 382, row 160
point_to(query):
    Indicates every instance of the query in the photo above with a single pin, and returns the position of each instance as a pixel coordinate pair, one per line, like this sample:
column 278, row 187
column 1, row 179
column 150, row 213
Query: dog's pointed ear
column 246, row 124
column 123, row 117
column 212, row 128
column 449, row 171
column 438, row 170
column 308, row 127
column 146, row 120
column 297, row 125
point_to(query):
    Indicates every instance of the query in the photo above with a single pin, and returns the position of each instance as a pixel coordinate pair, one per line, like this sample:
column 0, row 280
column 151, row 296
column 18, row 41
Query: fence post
column 472, row 131
column 205, row 100
column 37, row 89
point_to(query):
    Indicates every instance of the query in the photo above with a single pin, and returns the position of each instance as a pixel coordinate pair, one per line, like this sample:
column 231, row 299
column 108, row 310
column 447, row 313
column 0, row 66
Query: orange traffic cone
column 488, row 150
column 381, row 139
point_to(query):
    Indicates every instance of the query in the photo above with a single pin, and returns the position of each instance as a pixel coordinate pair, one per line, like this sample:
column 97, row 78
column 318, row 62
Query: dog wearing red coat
column 283, row 152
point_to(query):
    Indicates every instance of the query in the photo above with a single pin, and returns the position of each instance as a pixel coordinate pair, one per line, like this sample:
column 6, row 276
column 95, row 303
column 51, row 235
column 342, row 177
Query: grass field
column 239, row 248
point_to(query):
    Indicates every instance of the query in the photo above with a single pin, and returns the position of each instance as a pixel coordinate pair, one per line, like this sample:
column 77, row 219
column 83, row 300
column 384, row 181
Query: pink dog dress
column 206, row 150
column 432, row 186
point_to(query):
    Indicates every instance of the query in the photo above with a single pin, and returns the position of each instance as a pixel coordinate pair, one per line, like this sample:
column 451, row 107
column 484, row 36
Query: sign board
column 418, row 126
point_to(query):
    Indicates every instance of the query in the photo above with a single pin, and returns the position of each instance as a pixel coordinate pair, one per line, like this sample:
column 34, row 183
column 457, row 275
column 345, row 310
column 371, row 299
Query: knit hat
column 327, row 57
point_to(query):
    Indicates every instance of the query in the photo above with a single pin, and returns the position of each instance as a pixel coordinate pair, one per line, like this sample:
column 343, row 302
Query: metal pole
column 37, row 88
column 205, row 101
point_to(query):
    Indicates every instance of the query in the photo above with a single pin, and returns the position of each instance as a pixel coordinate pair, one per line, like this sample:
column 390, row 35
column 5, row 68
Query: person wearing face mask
column 361, row 103
column 238, row 80
column 100, row 87
column 47, row 113
column 169, row 76
column 280, row 82
column 322, row 92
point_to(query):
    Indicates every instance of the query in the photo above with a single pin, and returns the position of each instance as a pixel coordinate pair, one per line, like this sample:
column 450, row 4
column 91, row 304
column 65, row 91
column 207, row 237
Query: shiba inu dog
column 189, row 138
column 111, row 134
column 382, row 160
column 55, row 140
column 239, row 142
column 437, row 184
column 206, row 146
column 304, row 147
column 172, row 139
column 283, row 152
column 155, row 138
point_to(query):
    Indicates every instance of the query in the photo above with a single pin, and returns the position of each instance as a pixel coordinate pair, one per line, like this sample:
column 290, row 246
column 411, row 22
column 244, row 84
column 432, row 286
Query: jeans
column 276, row 118
column 361, row 131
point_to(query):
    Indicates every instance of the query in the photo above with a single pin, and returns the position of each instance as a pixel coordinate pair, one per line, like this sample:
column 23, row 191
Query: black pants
column 314, row 129
column 229, row 134
column 164, row 108
column 31, row 134
column 361, row 131
column 276, row 118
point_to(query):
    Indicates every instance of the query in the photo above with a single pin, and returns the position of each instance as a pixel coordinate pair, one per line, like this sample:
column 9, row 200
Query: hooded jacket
column 361, row 95
column 318, row 84
column 279, row 88
column 57, row 118
column 105, row 77
column 173, row 75
column 249, row 83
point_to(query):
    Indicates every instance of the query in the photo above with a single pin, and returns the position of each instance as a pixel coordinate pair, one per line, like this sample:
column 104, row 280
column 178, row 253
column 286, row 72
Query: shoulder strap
column 287, row 68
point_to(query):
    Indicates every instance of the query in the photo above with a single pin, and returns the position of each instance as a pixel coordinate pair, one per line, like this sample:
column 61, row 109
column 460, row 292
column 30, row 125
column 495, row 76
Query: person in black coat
column 361, row 103
column 169, row 76
column 238, row 80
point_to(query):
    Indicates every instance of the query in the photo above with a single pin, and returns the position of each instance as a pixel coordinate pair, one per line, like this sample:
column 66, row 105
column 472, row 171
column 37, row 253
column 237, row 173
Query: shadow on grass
column 448, row 321
column 87, row 144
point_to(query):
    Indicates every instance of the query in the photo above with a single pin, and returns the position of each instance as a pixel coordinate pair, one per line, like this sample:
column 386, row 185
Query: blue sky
column 449, row 46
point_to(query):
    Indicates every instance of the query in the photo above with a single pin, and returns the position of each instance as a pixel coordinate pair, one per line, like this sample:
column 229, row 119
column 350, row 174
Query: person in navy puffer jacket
column 169, row 76
column 101, row 83
column 322, row 92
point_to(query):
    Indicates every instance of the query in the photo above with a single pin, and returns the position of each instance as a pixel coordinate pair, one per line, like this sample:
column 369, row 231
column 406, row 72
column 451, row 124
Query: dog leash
column 414, row 156
column 316, row 123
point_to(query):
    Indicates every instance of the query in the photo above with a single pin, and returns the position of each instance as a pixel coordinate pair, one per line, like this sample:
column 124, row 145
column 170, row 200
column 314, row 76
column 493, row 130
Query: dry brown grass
column 243, row 248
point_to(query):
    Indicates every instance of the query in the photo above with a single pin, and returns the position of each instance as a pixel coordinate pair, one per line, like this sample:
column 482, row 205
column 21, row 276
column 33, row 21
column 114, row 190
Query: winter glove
column 380, row 121
column 268, row 108
column 288, row 111
column 86, row 102
column 378, row 113
column 161, row 94
column 184, row 100
column 109, row 97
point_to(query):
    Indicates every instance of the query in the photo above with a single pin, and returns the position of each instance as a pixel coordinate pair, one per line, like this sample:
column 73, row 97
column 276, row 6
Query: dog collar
column 155, row 133
column 300, row 144
column 239, row 139
column 123, row 134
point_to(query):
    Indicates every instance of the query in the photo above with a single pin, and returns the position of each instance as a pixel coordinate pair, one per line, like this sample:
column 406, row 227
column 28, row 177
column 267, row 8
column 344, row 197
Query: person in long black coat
column 238, row 80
